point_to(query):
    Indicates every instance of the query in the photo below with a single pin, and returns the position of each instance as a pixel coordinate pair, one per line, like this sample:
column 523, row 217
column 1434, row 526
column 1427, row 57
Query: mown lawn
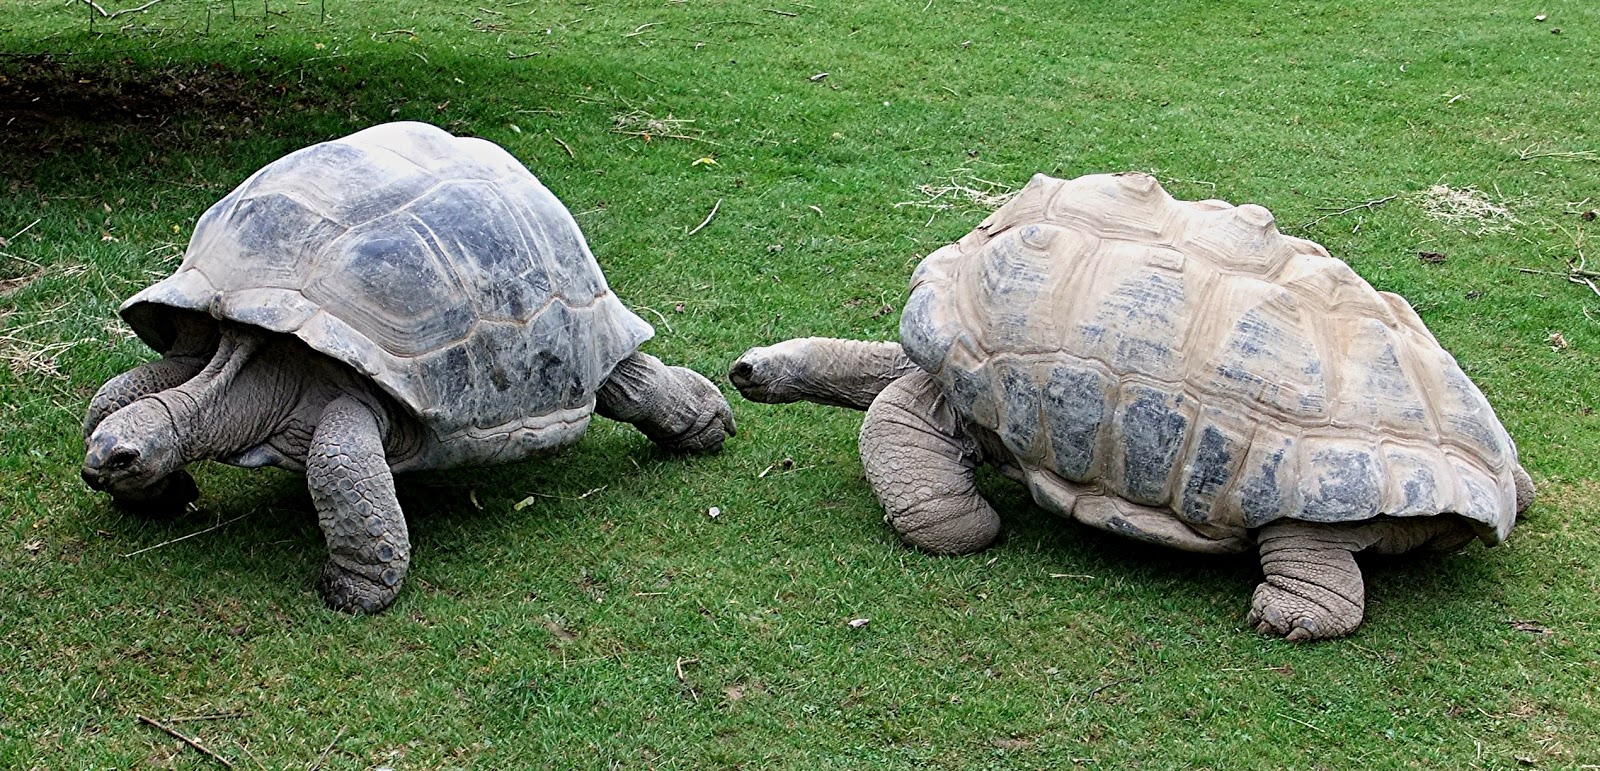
column 608, row 621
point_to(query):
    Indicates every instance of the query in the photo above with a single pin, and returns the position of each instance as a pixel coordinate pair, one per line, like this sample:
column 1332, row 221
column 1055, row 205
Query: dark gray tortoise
column 1175, row 372
column 396, row 300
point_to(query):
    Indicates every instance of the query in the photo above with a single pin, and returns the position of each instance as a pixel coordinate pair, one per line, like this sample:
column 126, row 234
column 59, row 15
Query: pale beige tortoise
column 395, row 300
column 1175, row 372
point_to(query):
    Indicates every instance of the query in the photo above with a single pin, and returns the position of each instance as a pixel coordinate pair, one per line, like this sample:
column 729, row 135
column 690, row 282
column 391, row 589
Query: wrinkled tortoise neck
column 237, row 400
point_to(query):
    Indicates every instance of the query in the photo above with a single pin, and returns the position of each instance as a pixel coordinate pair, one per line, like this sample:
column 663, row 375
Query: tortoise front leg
column 143, row 380
column 368, row 547
column 678, row 408
column 923, row 465
column 1313, row 588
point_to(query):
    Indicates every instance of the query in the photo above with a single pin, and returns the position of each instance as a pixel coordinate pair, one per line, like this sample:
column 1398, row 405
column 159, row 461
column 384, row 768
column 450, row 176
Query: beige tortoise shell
column 1181, row 372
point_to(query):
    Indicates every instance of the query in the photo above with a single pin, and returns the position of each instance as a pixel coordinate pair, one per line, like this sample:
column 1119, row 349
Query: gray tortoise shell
column 436, row 265
column 1181, row 372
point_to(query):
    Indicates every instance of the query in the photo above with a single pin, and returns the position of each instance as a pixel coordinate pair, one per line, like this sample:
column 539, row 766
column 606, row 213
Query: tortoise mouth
column 742, row 374
column 750, row 383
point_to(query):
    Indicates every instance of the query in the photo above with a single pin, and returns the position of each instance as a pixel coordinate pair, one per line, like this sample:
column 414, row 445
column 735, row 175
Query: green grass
column 626, row 628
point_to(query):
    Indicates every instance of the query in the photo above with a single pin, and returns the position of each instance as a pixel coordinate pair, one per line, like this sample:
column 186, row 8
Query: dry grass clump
column 1466, row 208
column 962, row 190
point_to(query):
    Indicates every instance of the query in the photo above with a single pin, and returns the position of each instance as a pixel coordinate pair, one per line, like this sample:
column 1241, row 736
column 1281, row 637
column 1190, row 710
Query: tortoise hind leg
column 369, row 550
column 922, row 465
column 1313, row 588
column 678, row 408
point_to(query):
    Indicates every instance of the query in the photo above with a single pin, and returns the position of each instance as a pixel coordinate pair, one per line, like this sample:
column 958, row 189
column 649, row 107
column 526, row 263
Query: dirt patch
column 50, row 106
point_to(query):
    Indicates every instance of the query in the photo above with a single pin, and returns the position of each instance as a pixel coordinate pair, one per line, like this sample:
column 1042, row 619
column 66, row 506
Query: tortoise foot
column 712, row 423
column 350, row 592
column 1275, row 610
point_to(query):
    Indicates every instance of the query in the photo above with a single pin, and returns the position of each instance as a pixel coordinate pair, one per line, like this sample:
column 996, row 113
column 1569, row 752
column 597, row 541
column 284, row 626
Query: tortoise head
column 132, row 450
column 771, row 374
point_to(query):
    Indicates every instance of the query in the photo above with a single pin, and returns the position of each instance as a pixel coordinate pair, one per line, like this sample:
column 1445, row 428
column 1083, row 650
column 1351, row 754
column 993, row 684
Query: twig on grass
column 679, row 667
column 659, row 315
column 790, row 14
column 325, row 750
column 528, row 501
column 195, row 743
column 1531, row 152
column 564, row 146
column 104, row 14
column 1372, row 204
column 216, row 716
column 707, row 220
column 1301, row 722
column 186, row 537
column 18, row 234
column 1111, row 684
column 1577, row 271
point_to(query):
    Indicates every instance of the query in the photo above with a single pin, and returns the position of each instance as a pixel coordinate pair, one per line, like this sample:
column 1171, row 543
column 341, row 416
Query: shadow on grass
column 455, row 518
column 1415, row 585
column 75, row 117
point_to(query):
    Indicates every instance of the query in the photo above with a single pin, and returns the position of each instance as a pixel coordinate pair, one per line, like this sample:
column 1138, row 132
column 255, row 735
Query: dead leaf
column 1556, row 341
column 33, row 547
column 1431, row 257
column 857, row 623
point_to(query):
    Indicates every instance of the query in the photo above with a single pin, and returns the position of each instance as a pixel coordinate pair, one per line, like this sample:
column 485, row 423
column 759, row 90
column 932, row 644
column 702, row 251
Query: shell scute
column 1075, row 408
column 387, row 278
column 1152, row 425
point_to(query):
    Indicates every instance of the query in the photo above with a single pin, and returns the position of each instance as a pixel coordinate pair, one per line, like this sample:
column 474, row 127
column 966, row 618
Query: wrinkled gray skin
column 224, row 390
column 921, row 461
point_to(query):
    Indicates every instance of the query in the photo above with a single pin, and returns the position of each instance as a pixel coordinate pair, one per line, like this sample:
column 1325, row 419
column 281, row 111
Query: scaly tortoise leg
column 678, row 408
column 368, row 547
column 922, row 465
column 1313, row 588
